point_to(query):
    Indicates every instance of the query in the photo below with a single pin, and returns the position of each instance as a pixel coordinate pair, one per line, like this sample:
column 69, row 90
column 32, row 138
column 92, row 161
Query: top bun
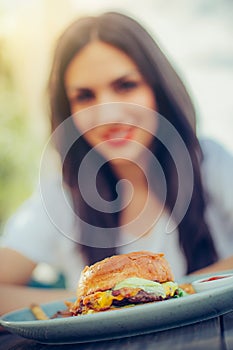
column 104, row 274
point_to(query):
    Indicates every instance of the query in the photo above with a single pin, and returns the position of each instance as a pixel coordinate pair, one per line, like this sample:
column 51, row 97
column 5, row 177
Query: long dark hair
column 173, row 103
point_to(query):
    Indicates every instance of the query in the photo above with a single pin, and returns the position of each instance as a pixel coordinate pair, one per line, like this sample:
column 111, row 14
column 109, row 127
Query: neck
column 134, row 173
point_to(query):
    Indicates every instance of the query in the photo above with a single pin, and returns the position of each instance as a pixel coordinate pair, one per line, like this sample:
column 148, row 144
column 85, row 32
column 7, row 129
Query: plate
column 136, row 320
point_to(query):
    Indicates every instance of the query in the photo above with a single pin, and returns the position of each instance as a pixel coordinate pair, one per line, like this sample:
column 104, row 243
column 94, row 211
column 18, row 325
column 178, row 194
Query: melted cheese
column 170, row 288
column 103, row 300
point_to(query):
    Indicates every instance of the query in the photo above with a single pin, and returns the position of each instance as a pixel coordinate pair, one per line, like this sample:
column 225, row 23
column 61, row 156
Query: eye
column 126, row 85
column 82, row 96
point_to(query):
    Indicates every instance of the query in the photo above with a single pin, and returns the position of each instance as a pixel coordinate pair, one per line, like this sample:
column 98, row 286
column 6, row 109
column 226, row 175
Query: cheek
column 75, row 121
column 145, row 138
column 146, row 98
column 78, row 125
column 86, row 131
column 83, row 120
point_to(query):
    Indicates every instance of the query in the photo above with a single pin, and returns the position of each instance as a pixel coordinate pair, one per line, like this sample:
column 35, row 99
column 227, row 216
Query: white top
column 32, row 232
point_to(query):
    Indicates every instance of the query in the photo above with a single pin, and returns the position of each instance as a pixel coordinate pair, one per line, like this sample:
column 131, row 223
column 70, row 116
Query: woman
column 118, row 107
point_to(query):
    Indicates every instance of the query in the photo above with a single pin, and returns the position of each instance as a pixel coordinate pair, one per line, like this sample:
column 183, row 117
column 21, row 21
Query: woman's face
column 97, row 76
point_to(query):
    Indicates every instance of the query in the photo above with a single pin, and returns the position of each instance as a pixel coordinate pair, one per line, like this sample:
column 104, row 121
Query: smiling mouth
column 118, row 136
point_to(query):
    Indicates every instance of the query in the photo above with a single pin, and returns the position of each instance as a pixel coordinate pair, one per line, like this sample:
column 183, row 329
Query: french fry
column 187, row 287
column 38, row 312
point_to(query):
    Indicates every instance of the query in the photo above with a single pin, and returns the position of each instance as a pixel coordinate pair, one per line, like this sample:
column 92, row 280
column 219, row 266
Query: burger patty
column 140, row 298
column 101, row 301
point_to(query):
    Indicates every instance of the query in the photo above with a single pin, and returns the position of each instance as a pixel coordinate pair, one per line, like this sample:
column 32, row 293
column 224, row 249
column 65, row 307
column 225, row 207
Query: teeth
column 118, row 134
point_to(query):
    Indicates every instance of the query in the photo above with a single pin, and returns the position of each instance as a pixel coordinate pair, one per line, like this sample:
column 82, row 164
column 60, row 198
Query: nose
column 102, row 114
column 109, row 108
column 105, row 96
column 111, row 112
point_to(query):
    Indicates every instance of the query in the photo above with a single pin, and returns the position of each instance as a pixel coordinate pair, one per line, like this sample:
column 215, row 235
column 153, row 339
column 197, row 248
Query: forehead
column 98, row 61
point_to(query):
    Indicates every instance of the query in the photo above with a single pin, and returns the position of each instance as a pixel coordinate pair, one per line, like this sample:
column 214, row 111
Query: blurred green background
column 19, row 147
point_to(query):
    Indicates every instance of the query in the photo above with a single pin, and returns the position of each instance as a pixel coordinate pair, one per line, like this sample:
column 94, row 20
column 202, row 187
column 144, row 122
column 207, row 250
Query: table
column 214, row 334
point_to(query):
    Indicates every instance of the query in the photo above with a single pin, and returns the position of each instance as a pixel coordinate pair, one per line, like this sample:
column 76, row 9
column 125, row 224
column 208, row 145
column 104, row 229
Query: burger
column 124, row 280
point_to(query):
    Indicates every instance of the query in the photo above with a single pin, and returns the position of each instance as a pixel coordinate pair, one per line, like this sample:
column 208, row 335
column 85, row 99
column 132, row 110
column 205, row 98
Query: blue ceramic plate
column 120, row 323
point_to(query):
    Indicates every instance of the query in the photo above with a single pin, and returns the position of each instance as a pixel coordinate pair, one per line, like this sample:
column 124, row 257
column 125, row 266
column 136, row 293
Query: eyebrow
column 72, row 89
column 113, row 82
column 127, row 75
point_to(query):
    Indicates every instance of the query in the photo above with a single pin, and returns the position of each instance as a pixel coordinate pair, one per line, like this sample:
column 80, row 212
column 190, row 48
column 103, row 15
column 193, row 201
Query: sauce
column 214, row 278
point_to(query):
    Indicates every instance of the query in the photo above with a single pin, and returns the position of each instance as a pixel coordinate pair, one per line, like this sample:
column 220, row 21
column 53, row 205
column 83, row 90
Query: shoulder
column 217, row 159
column 39, row 224
column 217, row 173
column 213, row 149
column 37, row 209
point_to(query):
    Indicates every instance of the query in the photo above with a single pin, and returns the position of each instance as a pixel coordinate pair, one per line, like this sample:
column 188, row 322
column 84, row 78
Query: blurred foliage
column 19, row 150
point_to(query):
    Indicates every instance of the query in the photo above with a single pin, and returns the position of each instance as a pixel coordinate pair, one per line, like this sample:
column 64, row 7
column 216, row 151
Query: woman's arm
column 221, row 265
column 14, row 297
column 15, row 268
column 15, row 272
